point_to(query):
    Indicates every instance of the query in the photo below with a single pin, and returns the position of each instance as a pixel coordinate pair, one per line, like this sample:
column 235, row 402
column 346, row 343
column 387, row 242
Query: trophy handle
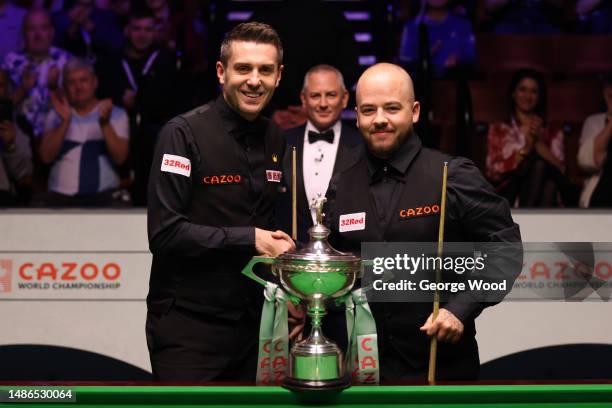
column 248, row 269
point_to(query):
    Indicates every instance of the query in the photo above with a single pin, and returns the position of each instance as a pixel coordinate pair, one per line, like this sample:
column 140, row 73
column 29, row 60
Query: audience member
column 35, row 71
column 525, row 157
column 15, row 152
column 451, row 39
column 84, row 140
column 464, row 8
column 11, row 21
column 143, row 81
column 122, row 10
column 313, row 33
column 595, row 16
column 324, row 145
column 181, row 33
column 86, row 30
column 594, row 152
column 49, row 5
column 525, row 16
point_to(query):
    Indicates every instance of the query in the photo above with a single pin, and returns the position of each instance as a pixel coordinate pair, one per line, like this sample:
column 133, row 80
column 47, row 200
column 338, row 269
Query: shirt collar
column 235, row 124
column 398, row 163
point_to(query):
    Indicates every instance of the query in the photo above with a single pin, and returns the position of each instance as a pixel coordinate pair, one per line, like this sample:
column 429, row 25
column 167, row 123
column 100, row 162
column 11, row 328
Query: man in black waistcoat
column 213, row 185
column 324, row 145
column 397, row 174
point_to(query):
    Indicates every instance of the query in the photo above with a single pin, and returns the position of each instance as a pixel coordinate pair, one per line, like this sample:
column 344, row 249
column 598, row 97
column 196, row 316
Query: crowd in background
column 86, row 85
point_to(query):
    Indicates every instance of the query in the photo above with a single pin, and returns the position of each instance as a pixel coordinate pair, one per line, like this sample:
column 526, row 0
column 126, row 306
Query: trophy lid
column 318, row 248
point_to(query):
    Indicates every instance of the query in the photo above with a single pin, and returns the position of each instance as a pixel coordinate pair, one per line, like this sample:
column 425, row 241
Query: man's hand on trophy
column 296, row 319
column 446, row 327
column 272, row 243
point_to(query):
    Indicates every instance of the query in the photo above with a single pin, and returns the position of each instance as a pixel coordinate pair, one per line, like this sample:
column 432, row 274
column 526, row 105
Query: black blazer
column 349, row 151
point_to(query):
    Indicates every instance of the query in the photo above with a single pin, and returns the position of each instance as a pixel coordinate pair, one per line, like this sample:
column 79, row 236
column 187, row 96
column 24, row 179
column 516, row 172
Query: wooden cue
column 433, row 345
column 293, row 194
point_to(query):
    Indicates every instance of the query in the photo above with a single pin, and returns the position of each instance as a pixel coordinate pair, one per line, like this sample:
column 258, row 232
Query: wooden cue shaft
column 433, row 345
column 293, row 194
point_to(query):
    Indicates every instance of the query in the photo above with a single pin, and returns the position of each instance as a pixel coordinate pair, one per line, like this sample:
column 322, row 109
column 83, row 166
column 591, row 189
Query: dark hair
column 254, row 32
column 540, row 107
column 141, row 13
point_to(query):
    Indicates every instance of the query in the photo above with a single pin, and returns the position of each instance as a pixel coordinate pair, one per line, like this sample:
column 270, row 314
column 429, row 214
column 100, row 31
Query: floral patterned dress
column 505, row 141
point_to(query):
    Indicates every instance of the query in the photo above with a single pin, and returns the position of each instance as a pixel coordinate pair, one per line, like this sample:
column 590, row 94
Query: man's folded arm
column 169, row 227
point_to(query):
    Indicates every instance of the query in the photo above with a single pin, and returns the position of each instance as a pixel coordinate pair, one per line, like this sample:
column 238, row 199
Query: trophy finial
column 318, row 206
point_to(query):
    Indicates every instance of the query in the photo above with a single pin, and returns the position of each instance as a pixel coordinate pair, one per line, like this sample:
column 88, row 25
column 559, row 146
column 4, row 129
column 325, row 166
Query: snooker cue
column 293, row 194
column 433, row 345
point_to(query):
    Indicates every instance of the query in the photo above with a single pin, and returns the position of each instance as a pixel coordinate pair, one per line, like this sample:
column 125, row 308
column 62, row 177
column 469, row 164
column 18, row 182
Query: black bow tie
column 327, row 136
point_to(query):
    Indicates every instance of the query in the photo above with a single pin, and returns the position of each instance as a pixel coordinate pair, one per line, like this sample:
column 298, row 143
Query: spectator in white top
column 593, row 153
column 84, row 140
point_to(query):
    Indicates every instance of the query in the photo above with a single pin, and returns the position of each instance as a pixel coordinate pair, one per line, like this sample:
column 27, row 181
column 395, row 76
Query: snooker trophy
column 313, row 275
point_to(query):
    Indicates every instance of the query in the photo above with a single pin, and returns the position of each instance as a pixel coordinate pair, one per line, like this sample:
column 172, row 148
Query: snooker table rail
column 456, row 396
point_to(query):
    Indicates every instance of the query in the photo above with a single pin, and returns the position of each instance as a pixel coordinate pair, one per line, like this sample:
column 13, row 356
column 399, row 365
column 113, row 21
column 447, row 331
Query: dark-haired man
column 213, row 184
column 142, row 79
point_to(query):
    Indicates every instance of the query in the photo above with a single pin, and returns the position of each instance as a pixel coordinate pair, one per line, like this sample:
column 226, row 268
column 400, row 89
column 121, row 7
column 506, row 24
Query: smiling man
column 396, row 174
column 212, row 192
column 324, row 145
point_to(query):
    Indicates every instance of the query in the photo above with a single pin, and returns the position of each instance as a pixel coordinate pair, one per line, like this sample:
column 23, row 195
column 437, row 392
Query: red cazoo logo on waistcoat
column 222, row 179
column 419, row 211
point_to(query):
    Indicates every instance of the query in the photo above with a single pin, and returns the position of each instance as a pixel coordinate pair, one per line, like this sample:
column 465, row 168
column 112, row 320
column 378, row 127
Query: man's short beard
column 387, row 153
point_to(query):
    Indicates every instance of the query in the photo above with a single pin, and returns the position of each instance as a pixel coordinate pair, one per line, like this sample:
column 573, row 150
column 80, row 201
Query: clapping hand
column 61, row 106
column 129, row 98
column 105, row 109
column 532, row 128
column 535, row 127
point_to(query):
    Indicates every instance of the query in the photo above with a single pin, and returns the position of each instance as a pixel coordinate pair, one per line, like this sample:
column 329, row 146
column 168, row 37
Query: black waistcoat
column 398, row 323
column 213, row 283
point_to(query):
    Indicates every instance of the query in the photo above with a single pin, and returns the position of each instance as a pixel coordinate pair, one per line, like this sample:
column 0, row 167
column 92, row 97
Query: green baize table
column 456, row 396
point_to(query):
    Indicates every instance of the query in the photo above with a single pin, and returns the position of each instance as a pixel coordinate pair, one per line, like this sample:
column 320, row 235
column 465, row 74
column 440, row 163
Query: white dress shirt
column 318, row 163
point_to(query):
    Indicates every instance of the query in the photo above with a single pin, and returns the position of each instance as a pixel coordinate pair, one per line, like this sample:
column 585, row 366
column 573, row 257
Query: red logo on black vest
column 419, row 211
column 222, row 179
column 274, row 175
